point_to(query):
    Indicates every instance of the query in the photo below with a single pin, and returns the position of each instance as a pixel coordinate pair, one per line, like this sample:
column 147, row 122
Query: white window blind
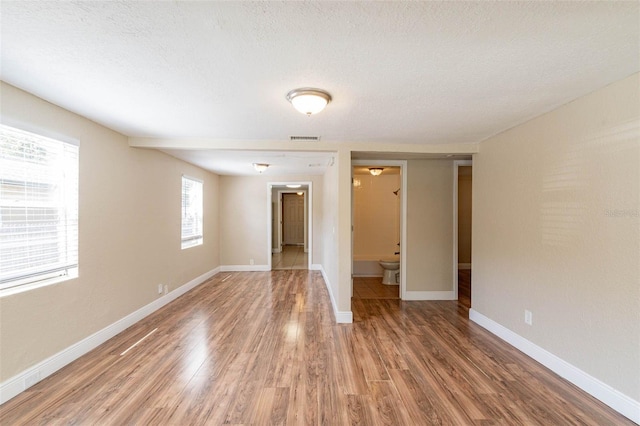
column 38, row 208
column 191, row 212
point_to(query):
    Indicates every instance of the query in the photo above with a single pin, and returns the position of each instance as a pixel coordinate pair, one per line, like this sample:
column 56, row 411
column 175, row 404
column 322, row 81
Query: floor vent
column 304, row 138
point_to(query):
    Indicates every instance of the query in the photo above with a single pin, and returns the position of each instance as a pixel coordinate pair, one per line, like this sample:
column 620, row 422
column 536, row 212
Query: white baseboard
column 428, row 295
column 276, row 250
column 244, row 268
column 615, row 399
column 315, row 267
column 342, row 317
column 32, row 375
column 464, row 266
column 367, row 276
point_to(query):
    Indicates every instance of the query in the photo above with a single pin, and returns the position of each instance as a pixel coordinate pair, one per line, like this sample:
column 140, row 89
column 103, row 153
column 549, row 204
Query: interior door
column 293, row 219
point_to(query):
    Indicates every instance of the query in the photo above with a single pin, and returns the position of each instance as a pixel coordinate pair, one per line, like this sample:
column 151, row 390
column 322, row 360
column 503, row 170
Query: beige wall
column 429, row 225
column 244, row 222
column 376, row 221
column 464, row 214
column 336, row 248
column 129, row 238
column 556, row 231
column 329, row 236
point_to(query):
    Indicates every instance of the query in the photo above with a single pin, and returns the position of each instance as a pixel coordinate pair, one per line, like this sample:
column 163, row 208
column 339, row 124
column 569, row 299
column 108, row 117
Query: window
column 38, row 209
column 191, row 212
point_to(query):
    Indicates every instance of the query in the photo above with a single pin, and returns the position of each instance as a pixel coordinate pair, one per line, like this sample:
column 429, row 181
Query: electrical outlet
column 159, row 288
column 250, row 261
column 166, row 288
column 528, row 317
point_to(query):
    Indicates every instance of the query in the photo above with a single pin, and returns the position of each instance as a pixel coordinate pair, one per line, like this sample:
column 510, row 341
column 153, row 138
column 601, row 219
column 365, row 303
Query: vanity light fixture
column 376, row 171
column 308, row 100
column 294, row 186
column 260, row 167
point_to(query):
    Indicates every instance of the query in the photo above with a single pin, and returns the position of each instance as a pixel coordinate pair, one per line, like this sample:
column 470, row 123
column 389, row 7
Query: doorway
column 378, row 218
column 292, row 253
column 463, row 178
column 293, row 219
column 290, row 219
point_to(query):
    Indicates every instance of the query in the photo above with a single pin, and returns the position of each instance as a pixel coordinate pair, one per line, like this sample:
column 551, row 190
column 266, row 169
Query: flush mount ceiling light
column 376, row 171
column 260, row 167
column 308, row 100
column 293, row 186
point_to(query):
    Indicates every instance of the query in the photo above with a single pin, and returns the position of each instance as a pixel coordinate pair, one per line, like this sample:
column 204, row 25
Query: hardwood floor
column 464, row 287
column 263, row 348
column 372, row 288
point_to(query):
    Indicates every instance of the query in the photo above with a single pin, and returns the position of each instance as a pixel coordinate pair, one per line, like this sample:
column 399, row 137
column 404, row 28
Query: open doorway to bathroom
column 463, row 213
column 377, row 230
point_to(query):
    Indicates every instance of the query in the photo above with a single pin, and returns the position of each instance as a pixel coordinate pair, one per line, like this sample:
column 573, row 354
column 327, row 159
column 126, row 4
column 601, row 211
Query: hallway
column 291, row 257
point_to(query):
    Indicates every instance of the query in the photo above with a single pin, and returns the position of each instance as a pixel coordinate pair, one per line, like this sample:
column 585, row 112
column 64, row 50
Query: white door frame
column 456, row 164
column 403, row 216
column 308, row 202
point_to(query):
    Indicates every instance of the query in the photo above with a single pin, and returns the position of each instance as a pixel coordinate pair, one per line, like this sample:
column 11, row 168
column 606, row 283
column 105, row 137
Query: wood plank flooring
column 464, row 287
column 372, row 288
column 263, row 348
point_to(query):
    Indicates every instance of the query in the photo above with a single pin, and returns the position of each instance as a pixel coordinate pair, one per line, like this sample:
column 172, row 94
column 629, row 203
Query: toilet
column 391, row 268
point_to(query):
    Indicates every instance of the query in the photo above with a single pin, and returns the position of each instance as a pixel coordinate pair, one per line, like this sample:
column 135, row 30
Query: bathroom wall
column 430, row 228
column 376, row 221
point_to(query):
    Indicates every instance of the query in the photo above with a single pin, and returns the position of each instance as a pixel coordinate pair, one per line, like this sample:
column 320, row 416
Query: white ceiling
column 364, row 170
column 240, row 163
column 402, row 72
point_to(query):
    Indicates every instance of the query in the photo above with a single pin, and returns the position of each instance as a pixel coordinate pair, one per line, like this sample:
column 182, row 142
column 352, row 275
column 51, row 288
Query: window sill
column 38, row 284
column 192, row 243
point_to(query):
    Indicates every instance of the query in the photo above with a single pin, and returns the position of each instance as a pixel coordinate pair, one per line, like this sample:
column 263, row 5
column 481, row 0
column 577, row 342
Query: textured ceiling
column 413, row 72
column 386, row 170
column 240, row 163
